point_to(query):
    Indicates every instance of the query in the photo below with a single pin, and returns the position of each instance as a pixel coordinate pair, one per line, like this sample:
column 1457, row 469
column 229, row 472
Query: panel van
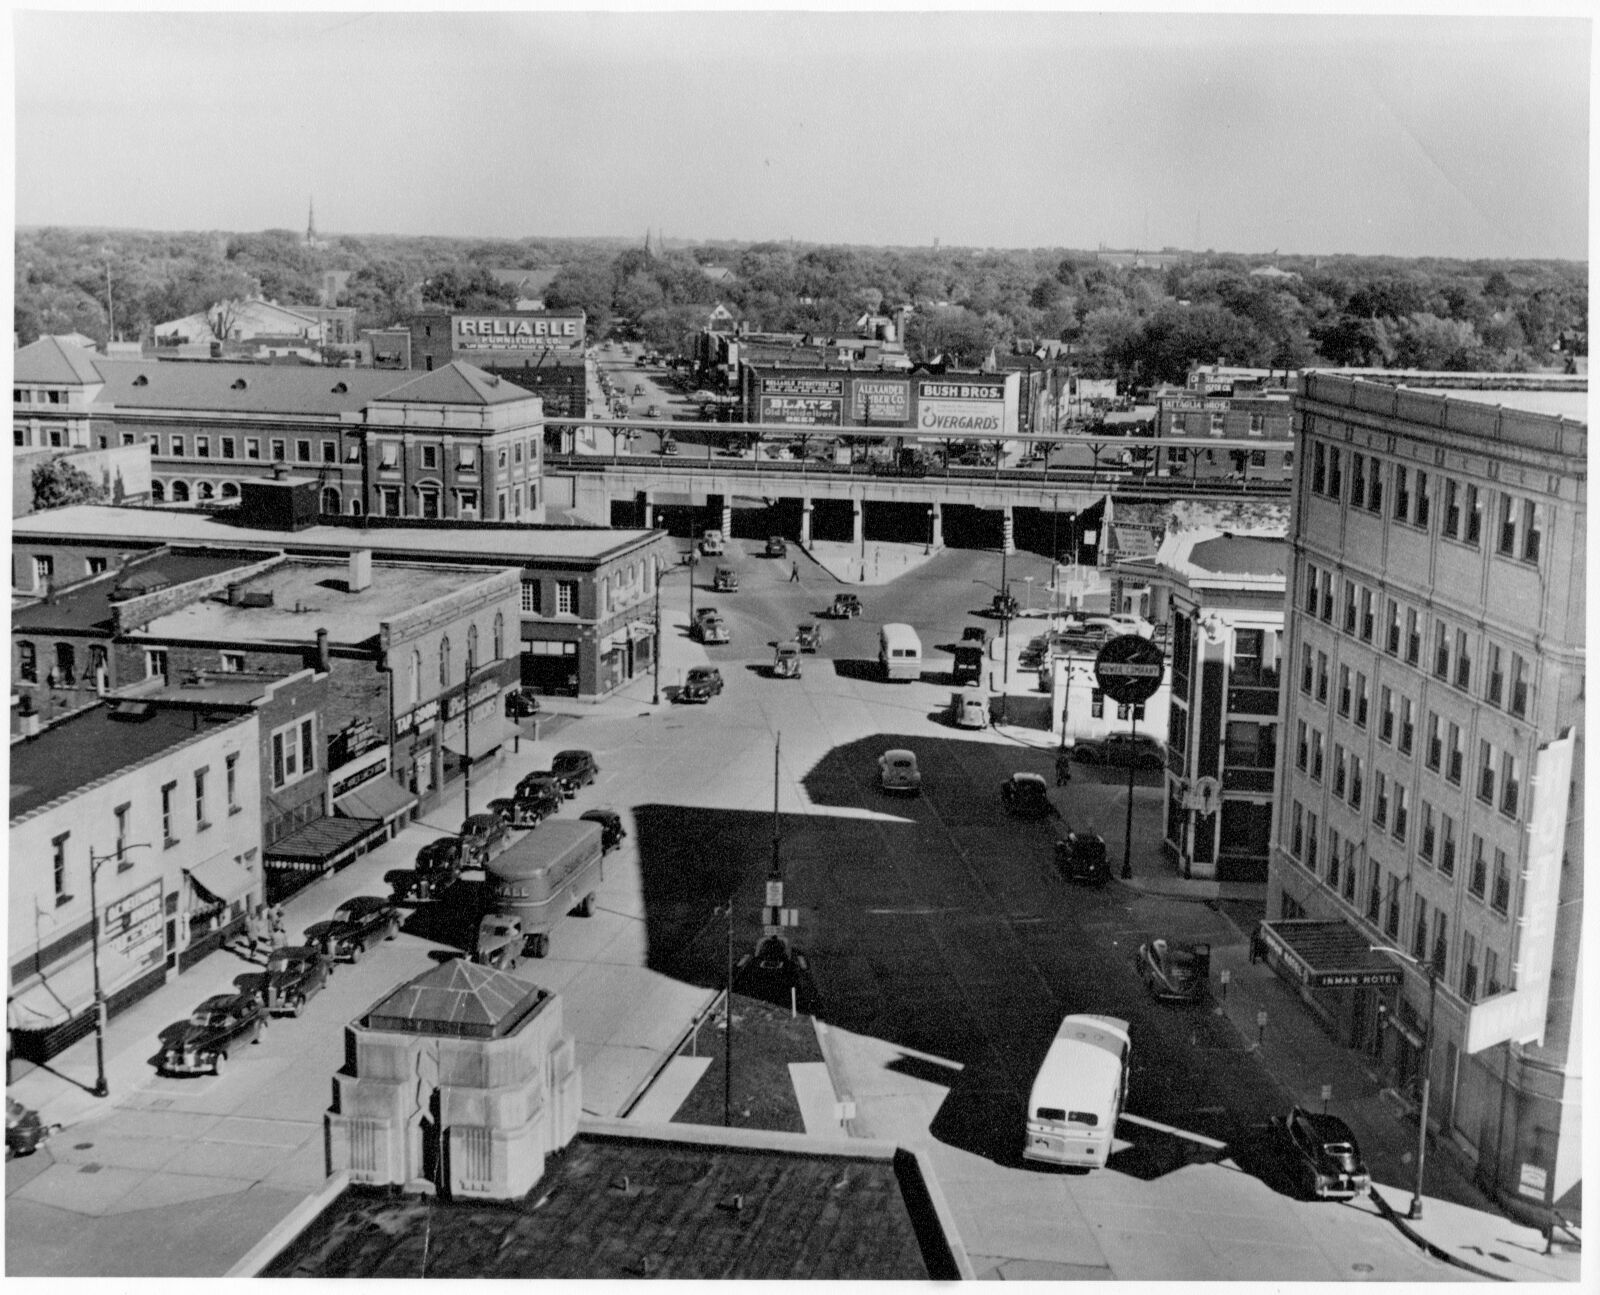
column 900, row 652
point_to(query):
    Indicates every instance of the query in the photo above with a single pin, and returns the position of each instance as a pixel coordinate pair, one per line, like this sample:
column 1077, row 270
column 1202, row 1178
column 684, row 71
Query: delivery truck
column 533, row 885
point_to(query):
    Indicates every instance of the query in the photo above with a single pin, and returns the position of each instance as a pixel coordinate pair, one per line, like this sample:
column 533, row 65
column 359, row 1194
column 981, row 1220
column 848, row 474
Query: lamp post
column 1005, row 612
column 1427, row 1066
column 727, row 1032
column 101, row 1088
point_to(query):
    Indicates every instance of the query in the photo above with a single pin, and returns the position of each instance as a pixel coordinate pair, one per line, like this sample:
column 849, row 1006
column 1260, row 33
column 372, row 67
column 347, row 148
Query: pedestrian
column 254, row 931
column 280, row 931
column 794, row 572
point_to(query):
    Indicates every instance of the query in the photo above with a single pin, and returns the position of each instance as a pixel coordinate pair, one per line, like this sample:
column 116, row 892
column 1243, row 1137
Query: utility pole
column 101, row 1088
column 656, row 650
column 727, row 1032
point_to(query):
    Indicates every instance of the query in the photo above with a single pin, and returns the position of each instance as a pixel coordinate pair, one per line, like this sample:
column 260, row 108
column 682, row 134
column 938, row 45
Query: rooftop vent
column 239, row 384
column 143, row 380
column 254, row 598
column 340, row 388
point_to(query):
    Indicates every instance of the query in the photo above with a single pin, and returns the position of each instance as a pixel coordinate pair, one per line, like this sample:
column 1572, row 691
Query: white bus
column 1078, row 1093
column 900, row 652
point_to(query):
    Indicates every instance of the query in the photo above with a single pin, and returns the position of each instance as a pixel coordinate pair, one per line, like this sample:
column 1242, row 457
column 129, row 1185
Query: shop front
column 218, row 894
column 1339, row 975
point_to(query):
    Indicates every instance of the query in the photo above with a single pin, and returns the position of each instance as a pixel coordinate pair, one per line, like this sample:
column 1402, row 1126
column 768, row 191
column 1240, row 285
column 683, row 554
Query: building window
column 1374, row 891
column 169, row 825
column 1413, row 636
column 1500, row 899
column 1358, row 480
column 1408, row 727
column 1385, row 714
column 330, row 501
column 500, row 459
column 1447, row 845
column 466, row 458
column 430, row 457
column 530, row 597
column 1419, row 928
column 1302, row 747
column 1375, row 487
column 1316, row 755
column 1452, row 772
column 1335, row 483
column 566, row 597
column 1297, row 831
column 472, row 649
column 389, row 454
column 1452, row 509
column 1530, row 531
column 1311, row 589
column 1463, row 662
column 302, row 451
column 1340, row 779
column 1422, row 511
column 1510, row 784
column 1355, row 782
column 1327, row 597
column 233, row 662
column 44, row 570
column 1349, row 607
column 1391, row 920
column 1402, row 812
column 1474, row 509
column 200, row 819
column 1322, row 677
column 429, row 500
column 1402, row 494
column 1507, row 546
column 1366, row 615
column 1349, row 891
column 58, row 866
column 1333, row 859
column 1250, row 668
column 178, row 450
column 1305, row 669
column 1250, row 745
column 1313, row 839
column 280, row 450
column 1441, row 652
column 155, row 663
column 1344, row 691
column 1469, row 968
column 330, row 451
column 27, row 662
column 1491, row 973
column 1486, row 773
column 1519, row 686
column 120, row 814
column 1319, row 468
column 1494, row 683
column 469, row 501
column 1425, row 846
column 229, row 445
column 516, row 452
column 1097, row 704
column 294, row 752
column 1361, row 700
column 1380, row 798
column 252, row 447
column 444, row 661
column 231, row 775
column 1477, row 875
column 499, row 636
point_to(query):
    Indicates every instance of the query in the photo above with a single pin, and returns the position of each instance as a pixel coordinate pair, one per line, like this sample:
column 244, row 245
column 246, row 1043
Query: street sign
column 1129, row 669
column 774, row 894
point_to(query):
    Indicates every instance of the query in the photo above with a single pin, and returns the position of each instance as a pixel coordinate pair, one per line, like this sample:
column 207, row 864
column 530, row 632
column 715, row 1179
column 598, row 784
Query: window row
column 1517, row 533
column 473, row 659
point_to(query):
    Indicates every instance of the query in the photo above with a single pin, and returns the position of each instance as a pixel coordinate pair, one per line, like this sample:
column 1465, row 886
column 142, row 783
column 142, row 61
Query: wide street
column 943, row 947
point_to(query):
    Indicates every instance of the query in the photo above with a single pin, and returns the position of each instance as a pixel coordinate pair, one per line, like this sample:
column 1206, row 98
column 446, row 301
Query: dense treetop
column 1141, row 325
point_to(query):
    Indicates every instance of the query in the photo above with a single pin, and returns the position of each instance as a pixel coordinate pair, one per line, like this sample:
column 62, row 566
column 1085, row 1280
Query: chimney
column 280, row 471
column 235, row 590
column 360, row 576
column 324, row 653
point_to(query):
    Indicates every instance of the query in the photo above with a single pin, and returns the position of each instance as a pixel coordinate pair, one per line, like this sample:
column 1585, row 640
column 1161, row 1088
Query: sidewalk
column 875, row 563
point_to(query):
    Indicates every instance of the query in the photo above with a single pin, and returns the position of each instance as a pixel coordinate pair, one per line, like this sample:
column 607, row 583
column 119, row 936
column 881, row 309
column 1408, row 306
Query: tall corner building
column 1427, row 852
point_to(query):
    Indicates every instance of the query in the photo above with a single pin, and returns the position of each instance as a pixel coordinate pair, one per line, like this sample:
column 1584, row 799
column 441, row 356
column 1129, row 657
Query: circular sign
column 1129, row 669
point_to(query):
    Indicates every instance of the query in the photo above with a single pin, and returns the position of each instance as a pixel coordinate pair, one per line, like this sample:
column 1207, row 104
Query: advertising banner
column 803, row 411
column 965, row 408
column 878, row 401
column 531, row 331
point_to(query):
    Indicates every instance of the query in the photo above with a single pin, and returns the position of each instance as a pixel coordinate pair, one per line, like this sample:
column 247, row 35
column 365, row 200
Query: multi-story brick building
column 1226, row 414
column 1429, row 833
column 144, row 819
column 542, row 351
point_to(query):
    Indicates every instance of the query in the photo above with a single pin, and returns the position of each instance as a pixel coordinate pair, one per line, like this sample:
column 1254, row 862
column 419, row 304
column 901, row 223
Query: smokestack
column 324, row 653
column 360, row 576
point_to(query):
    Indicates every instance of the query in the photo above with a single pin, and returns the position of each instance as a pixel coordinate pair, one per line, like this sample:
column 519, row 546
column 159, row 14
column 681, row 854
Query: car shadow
column 1258, row 1152
column 856, row 668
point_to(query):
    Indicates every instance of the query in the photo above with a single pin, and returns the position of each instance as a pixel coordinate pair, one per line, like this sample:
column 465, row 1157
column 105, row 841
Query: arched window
column 416, row 677
column 330, row 500
column 472, row 648
column 180, row 492
column 27, row 662
column 158, row 492
column 499, row 636
column 444, row 662
column 66, row 665
column 229, row 490
column 355, row 507
column 605, row 592
column 205, row 492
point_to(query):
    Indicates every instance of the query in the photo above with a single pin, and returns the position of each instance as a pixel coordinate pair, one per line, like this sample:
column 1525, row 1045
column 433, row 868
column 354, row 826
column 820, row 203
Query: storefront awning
column 1328, row 955
column 53, row 999
column 381, row 798
column 322, row 844
column 219, row 880
column 487, row 734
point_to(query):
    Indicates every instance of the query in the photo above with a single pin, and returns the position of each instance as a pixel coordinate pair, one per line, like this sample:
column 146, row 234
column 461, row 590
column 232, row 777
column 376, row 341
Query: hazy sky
column 1453, row 136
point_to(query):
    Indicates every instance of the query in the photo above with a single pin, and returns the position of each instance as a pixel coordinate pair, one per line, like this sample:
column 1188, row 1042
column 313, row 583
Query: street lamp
column 101, row 1088
column 661, row 574
column 1427, row 1065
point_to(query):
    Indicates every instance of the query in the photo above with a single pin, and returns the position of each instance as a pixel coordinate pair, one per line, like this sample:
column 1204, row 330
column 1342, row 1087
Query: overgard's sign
column 541, row 332
column 961, row 407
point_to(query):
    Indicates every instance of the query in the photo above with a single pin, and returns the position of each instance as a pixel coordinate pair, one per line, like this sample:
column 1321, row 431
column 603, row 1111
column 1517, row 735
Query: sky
column 1454, row 135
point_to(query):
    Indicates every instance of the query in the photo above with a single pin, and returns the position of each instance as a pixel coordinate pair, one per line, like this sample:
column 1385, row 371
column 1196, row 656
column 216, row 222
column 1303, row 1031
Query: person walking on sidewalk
column 255, row 931
column 280, row 931
column 794, row 573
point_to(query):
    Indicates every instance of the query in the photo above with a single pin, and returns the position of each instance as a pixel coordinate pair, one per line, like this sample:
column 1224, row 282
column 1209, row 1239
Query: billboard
column 880, row 400
column 531, row 331
column 802, row 402
column 969, row 407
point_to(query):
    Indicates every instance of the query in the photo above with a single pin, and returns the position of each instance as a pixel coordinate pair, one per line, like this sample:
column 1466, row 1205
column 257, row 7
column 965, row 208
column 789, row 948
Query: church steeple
column 311, row 222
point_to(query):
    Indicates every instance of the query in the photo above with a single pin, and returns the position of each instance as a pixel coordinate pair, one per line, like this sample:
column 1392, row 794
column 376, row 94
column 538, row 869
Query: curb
column 1416, row 1238
column 289, row 1227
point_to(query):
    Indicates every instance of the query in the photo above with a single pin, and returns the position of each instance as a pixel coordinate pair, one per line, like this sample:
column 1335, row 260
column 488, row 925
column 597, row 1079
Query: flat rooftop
column 309, row 594
column 1562, row 404
column 480, row 544
column 804, row 1216
column 82, row 750
column 86, row 608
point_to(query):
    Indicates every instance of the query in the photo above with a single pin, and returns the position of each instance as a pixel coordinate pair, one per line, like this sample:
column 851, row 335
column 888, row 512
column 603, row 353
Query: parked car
column 1081, row 857
column 1122, row 749
column 726, row 581
column 808, row 635
column 1121, row 623
column 1003, row 606
column 654, row 411
column 1027, row 796
column 1326, row 1161
column 712, row 543
column 542, row 791
column 356, row 925
column 897, row 771
column 969, row 709
column 777, row 546
column 523, row 813
column 702, row 684
column 711, row 629
column 786, row 660
column 845, row 607
column 293, row 975
column 1175, row 970
column 575, row 769
column 218, row 1027
column 482, row 837
column 669, row 447
column 705, row 614
column 25, row 1131
column 975, row 634
column 612, row 833
column 521, row 704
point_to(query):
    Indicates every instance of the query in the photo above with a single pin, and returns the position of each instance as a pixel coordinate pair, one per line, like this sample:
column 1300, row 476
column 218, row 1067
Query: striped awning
column 322, row 844
column 377, row 798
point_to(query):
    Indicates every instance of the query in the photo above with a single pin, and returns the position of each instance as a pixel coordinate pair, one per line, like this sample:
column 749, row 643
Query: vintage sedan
column 1081, row 858
column 521, row 704
column 726, row 581
column 293, row 975
column 356, row 925
column 543, row 791
column 786, row 661
column 1175, row 970
column 1122, row 749
column 712, row 629
column 808, row 634
column 1324, row 1157
column 523, row 813
column 897, row 771
column 575, row 769
column 702, row 684
column 612, row 832
column 482, row 837
column 219, row 1027
column 777, row 547
column 845, row 607
column 1027, row 795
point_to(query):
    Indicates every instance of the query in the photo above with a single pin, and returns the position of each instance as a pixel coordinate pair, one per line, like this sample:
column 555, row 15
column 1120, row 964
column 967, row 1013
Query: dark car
column 967, row 664
column 726, row 581
column 612, row 833
column 25, row 1131
column 1081, row 857
column 575, row 769
column 482, row 837
column 356, row 925
column 1175, row 970
column 522, row 813
column 975, row 634
column 777, row 547
column 545, row 789
column 293, row 975
column 1003, row 606
column 1027, row 795
column 710, row 629
column 702, row 684
column 218, row 1027
column 521, row 704
column 808, row 636
column 1324, row 1156
column 845, row 606
column 1122, row 750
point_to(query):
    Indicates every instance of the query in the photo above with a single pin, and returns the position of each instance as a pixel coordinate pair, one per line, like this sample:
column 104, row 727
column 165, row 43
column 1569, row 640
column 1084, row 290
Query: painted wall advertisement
column 133, row 935
column 532, row 331
column 967, row 408
column 803, row 402
column 878, row 401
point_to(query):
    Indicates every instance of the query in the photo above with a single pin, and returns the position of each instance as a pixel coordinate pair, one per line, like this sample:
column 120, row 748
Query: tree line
column 1137, row 325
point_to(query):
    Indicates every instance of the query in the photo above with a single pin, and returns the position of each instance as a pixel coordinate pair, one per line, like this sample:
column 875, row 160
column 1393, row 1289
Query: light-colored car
column 786, row 661
column 897, row 771
column 712, row 543
column 969, row 708
column 1122, row 623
